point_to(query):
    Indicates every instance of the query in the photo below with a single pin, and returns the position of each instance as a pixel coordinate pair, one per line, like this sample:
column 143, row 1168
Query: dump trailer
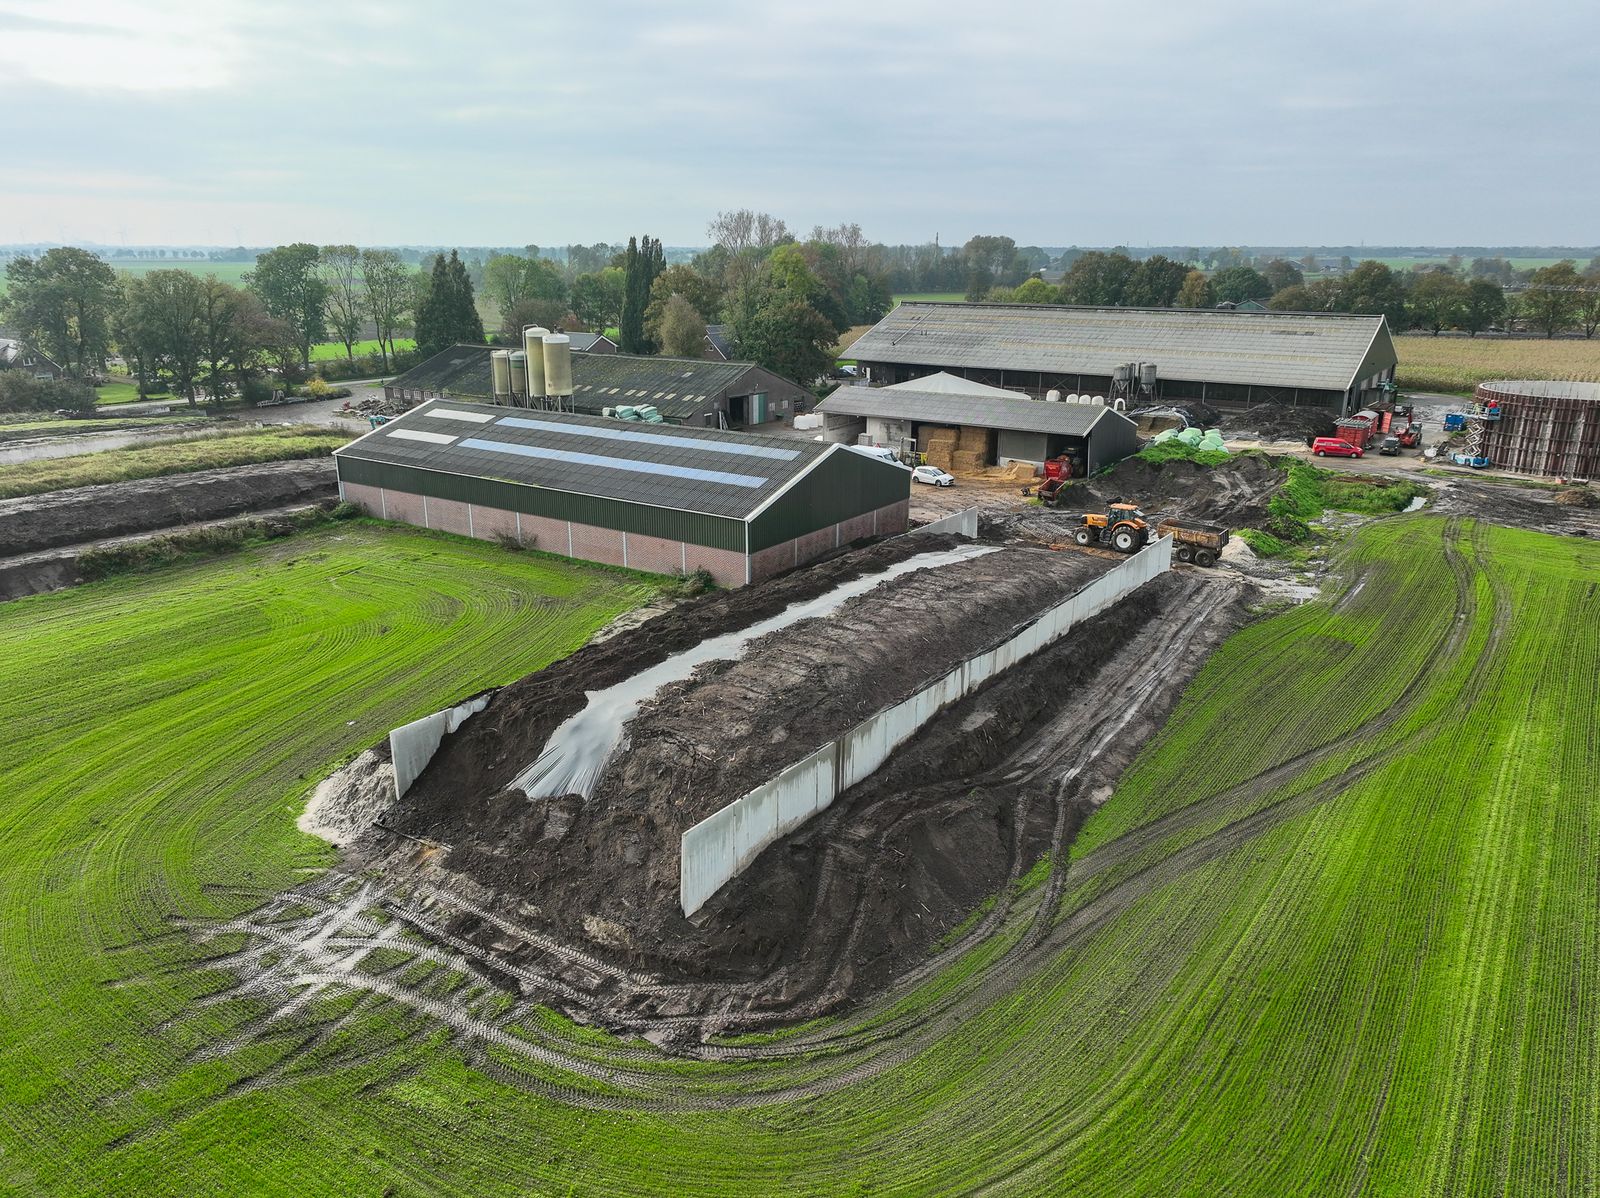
column 1201, row 544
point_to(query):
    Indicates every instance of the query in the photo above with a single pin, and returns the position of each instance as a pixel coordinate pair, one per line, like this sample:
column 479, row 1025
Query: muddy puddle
column 578, row 751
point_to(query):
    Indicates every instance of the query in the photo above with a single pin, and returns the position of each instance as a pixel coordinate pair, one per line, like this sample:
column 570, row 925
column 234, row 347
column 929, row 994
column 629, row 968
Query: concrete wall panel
column 543, row 533
column 594, row 544
column 403, row 506
column 719, row 847
column 655, row 554
column 814, row 544
column 370, row 498
column 413, row 745
column 449, row 515
column 726, row 566
column 962, row 524
column 774, row 560
column 492, row 523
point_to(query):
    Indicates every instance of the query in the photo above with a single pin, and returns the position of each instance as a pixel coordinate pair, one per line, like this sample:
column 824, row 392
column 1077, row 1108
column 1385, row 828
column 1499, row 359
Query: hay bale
column 1580, row 496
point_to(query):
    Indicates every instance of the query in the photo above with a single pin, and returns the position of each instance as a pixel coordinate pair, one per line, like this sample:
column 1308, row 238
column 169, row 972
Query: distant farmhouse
column 592, row 343
column 719, row 343
column 15, row 355
column 1326, row 360
column 686, row 391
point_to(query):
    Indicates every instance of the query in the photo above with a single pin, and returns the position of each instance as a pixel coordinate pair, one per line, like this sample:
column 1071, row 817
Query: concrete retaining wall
column 962, row 524
column 719, row 847
column 413, row 745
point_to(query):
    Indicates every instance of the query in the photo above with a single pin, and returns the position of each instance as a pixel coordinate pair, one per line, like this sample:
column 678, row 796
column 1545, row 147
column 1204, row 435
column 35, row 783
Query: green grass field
column 115, row 393
column 228, row 272
column 1335, row 933
column 205, row 451
column 335, row 349
column 942, row 296
column 58, row 426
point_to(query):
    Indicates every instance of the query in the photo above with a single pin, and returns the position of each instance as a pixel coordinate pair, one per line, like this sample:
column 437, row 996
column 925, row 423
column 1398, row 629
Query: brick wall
column 655, row 555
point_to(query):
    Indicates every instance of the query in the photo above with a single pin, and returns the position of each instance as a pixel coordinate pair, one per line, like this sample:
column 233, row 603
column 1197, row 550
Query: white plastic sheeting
column 721, row 846
column 413, row 745
column 962, row 524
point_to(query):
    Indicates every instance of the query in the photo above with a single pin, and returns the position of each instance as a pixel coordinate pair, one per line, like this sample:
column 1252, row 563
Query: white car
column 933, row 476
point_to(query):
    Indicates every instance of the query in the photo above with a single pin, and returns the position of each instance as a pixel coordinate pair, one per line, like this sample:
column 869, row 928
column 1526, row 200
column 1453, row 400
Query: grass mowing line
column 182, row 455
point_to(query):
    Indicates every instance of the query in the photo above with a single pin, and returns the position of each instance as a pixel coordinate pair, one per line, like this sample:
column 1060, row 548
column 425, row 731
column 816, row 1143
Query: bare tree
column 340, row 268
column 390, row 287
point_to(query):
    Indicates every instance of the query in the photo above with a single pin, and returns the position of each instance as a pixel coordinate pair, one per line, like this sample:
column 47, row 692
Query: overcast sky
column 1121, row 121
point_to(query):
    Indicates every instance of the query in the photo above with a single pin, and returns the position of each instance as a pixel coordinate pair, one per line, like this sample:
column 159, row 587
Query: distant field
column 1461, row 363
column 27, row 429
column 945, row 296
column 229, row 272
column 207, row 451
column 335, row 349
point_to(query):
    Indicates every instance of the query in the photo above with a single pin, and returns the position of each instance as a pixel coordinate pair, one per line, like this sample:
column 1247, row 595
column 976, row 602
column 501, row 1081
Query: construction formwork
column 1548, row 428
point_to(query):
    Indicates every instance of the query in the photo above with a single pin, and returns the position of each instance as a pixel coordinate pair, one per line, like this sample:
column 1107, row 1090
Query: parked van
column 1335, row 447
column 881, row 452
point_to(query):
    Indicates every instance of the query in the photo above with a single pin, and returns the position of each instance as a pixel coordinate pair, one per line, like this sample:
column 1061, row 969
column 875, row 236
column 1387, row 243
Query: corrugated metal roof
column 977, row 411
column 1272, row 349
column 677, row 387
column 684, row 469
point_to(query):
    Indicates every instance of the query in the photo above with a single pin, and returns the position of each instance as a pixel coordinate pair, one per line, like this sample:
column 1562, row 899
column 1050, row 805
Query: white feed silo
column 558, row 365
column 533, row 345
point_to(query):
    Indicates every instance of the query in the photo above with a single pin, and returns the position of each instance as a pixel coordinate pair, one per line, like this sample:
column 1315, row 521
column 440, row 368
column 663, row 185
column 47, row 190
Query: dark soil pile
column 1279, row 422
column 1234, row 494
column 700, row 745
column 84, row 514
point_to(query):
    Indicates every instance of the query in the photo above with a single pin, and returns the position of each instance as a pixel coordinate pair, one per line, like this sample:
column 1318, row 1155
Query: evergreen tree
column 644, row 261
column 630, row 331
column 448, row 314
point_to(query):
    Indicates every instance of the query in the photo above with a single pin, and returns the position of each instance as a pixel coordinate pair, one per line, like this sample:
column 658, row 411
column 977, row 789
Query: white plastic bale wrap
column 413, row 745
column 721, row 846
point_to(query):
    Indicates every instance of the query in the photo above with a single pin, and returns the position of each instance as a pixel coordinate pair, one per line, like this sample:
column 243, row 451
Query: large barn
column 998, row 427
column 686, row 391
column 1224, row 358
column 649, row 497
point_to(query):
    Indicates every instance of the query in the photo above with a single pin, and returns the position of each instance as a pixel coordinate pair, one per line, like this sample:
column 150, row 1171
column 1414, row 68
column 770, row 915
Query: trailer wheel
column 1124, row 540
column 1204, row 557
column 1184, row 553
column 1083, row 536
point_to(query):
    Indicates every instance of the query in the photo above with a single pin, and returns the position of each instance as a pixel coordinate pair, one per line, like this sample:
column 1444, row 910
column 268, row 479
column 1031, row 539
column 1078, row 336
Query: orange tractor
column 1122, row 526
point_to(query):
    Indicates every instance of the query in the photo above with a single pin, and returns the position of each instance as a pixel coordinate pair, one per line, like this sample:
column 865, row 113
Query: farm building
column 1226, row 358
column 649, row 497
column 686, row 391
column 591, row 343
column 1549, row 428
column 994, row 426
column 15, row 355
column 718, row 343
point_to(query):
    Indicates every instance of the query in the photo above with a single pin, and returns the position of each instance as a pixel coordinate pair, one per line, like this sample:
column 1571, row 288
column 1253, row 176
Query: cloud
column 1145, row 121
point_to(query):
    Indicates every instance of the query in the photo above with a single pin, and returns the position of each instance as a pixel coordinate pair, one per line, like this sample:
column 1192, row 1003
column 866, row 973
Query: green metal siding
column 697, row 528
column 842, row 485
column 1110, row 441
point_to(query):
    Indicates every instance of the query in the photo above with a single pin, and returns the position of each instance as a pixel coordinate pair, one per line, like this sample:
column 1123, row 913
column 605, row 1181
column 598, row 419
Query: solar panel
column 625, row 464
column 453, row 414
column 655, row 439
column 412, row 434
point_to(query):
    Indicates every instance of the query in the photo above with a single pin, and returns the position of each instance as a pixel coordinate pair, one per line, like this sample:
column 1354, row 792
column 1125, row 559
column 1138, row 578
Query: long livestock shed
column 1008, row 426
column 650, row 497
column 688, row 391
column 1321, row 359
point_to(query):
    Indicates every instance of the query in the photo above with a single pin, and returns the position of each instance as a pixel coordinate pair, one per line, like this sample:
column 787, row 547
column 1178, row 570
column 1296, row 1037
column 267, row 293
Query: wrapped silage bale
column 1167, row 435
column 1190, row 436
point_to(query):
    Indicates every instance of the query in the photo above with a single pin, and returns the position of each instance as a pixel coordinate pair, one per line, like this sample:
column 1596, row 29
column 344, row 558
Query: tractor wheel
column 1205, row 557
column 1184, row 553
column 1083, row 536
column 1124, row 540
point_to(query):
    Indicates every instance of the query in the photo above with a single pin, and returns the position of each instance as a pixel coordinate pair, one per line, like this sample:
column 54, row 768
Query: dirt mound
column 1578, row 497
column 1279, row 422
column 84, row 514
column 701, row 744
column 1234, row 494
column 857, row 895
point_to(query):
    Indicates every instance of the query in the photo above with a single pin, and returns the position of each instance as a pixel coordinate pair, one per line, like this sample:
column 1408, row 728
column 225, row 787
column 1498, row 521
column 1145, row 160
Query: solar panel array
column 696, row 470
